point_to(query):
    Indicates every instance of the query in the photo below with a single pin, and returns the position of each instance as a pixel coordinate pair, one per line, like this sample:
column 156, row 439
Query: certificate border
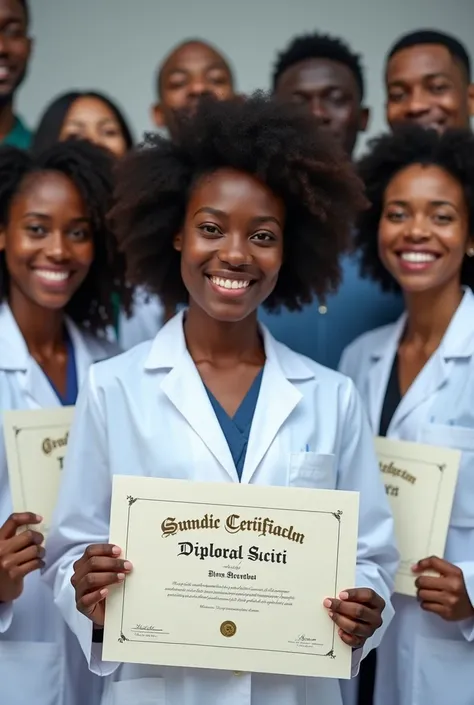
column 441, row 468
column 337, row 515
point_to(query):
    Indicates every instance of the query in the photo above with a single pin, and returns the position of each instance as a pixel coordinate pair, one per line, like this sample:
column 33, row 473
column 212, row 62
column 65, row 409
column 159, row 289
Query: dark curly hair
column 90, row 168
column 452, row 151
column 319, row 46
column 280, row 145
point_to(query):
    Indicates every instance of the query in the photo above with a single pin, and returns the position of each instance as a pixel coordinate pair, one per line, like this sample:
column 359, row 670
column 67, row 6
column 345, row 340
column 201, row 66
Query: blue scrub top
column 322, row 332
column 236, row 429
column 70, row 397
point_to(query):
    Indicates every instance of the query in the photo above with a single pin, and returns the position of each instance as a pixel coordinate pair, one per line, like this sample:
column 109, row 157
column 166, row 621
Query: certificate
column 231, row 577
column 35, row 443
column 420, row 481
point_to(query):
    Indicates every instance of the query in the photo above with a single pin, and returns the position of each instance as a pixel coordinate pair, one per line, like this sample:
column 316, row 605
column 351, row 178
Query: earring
column 470, row 252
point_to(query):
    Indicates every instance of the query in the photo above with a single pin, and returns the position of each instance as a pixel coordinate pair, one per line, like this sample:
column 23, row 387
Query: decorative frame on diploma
column 420, row 481
column 231, row 577
column 35, row 444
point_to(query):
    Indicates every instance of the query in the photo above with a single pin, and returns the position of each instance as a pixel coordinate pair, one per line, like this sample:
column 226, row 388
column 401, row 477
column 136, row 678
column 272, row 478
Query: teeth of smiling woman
column 418, row 256
column 230, row 283
column 52, row 276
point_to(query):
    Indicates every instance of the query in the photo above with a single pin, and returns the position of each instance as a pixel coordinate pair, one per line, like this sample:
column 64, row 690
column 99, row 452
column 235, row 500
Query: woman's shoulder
column 366, row 344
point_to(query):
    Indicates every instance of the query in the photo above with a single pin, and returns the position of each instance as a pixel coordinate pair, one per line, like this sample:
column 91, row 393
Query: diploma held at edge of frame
column 230, row 577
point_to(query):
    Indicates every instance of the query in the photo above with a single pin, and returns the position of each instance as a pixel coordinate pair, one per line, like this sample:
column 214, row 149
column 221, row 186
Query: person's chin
column 229, row 312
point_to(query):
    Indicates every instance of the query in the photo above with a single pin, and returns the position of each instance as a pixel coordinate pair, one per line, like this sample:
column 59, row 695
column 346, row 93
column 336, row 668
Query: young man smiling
column 322, row 73
column 429, row 81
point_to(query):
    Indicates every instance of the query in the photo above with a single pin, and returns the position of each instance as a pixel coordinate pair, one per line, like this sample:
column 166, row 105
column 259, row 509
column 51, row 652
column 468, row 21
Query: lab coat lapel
column 456, row 343
column 14, row 356
column 380, row 366
column 184, row 388
column 277, row 399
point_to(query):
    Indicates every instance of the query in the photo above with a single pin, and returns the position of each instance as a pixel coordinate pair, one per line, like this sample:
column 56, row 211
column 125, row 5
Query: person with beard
column 191, row 70
column 429, row 82
column 322, row 73
column 15, row 49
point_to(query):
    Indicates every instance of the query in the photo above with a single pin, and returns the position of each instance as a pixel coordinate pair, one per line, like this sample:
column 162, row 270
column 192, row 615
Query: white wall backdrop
column 115, row 45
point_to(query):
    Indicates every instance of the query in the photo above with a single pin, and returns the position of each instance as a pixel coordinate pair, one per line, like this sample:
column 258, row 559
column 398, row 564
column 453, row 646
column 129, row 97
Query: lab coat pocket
column 443, row 672
column 31, row 672
column 138, row 691
column 460, row 438
column 311, row 470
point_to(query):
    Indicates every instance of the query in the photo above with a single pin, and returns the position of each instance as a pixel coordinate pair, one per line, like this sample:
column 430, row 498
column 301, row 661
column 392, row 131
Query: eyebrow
column 79, row 123
column 36, row 214
column 398, row 202
column 221, row 214
column 429, row 76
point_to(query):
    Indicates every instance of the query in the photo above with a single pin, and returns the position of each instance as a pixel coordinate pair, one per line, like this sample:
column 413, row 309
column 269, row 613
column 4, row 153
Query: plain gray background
column 115, row 45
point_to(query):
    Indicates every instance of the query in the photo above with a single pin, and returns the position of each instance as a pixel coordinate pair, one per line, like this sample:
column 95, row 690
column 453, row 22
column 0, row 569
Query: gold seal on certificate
column 420, row 481
column 229, row 576
column 35, row 443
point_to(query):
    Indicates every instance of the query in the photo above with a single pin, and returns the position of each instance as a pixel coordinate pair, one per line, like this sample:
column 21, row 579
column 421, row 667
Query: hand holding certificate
column 226, row 576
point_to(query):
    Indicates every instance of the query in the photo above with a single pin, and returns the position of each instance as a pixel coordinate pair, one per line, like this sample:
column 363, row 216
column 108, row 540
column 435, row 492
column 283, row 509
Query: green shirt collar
column 19, row 136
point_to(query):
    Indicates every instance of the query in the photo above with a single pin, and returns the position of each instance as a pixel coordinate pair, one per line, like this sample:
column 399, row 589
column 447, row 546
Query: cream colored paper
column 230, row 612
column 420, row 481
column 35, row 442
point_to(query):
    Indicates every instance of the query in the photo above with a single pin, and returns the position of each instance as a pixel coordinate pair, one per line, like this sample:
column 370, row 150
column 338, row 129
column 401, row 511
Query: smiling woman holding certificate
column 252, row 206
column 417, row 380
column 58, row 268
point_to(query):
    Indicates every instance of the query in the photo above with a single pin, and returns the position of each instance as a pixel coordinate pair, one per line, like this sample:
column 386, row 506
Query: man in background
column 15, row 49
column 428, row 81
column 322, row 73
column 191, row 70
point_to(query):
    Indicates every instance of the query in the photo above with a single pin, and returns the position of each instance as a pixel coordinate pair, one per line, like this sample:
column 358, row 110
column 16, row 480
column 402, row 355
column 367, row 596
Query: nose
column 57, row 249
column 418, row 103
column 198, row 86
column 319, row 111
column 235, row 251
column 418, row 229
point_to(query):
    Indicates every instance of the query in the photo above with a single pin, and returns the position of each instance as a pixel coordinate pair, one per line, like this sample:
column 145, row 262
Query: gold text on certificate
column 232, row 524
column 391, row 469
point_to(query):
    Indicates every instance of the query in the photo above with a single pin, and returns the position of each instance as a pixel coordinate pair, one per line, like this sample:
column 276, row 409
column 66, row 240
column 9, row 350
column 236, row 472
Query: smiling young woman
column 59, row 266
column 417, row 380
column 252, row 207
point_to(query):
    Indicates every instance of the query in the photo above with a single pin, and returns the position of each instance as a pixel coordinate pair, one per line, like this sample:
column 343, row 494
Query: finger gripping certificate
column 36, row 442
column 230, row 576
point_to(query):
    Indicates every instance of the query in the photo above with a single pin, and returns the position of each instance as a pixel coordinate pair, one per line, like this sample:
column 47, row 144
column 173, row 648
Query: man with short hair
column 429, row 82
column 191, row 70
column 15, row 50
column 323, row 73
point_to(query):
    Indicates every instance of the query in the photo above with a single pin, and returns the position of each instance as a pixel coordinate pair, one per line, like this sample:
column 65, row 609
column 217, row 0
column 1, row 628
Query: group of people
column 182, row 253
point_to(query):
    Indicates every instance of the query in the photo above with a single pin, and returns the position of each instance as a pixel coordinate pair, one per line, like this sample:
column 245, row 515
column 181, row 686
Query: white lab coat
column 39, row 659
column 147, row 413
column 424, row 660
column 144, row 323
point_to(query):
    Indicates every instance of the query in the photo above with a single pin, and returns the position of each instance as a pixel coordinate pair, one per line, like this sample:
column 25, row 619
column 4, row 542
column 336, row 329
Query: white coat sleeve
column 467, row 625
column 377, row 555
column 82, row 514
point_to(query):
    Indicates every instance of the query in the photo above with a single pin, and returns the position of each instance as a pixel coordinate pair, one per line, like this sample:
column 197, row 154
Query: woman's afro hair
column 277, row 143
